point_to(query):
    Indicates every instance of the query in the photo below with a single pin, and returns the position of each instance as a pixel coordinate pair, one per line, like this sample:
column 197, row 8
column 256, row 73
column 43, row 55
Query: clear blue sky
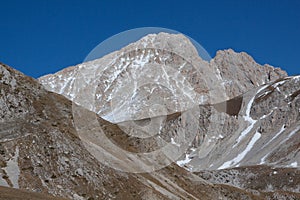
column 43, row 36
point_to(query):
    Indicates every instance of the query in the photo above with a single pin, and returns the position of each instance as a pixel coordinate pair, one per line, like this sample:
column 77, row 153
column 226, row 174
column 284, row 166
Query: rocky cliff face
column 240, row 123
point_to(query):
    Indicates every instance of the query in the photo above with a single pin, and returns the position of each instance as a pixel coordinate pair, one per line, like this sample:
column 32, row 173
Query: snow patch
column 290, row 135
column 277, row 134
column 187, row 159
column 279, row 83
column 241, row 156
column 262, row 160
column 267, row 115
column 248, row 118
column 296, row 78
column 294, row 164
column 173, row 142
column 218, row 137
column 218, row 74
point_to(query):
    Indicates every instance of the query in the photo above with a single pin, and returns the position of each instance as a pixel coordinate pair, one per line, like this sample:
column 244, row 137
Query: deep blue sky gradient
column 39, row 37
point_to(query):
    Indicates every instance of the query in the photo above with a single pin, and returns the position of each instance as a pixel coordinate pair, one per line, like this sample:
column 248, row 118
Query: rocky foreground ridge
column 246, row 142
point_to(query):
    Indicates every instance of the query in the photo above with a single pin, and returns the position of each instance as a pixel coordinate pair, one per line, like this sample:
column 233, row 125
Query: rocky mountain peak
column 226, row 76
column 240, row 72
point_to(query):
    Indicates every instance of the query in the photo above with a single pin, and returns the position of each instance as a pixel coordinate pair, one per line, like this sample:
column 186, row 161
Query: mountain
column 228, row 89
column 224, row 129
